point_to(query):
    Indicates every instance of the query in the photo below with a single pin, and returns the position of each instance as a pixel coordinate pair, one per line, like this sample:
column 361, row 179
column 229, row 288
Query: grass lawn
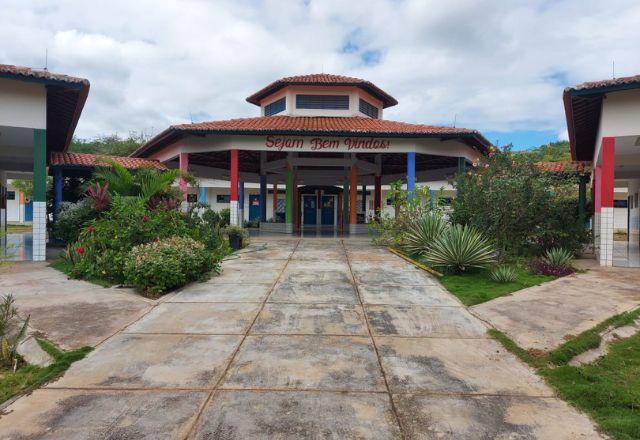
column 65, row 267
column 476, row 286
column 30, row 377
column 608, row 389
column 15, row 229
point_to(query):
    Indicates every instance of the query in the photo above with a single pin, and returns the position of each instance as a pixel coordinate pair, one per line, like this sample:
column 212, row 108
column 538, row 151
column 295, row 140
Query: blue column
column 203, row 194
column 263, row 198
column 411, row 173
column 57, row 191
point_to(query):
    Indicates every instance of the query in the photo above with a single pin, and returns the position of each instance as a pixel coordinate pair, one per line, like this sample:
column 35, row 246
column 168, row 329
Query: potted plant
column 236, row 237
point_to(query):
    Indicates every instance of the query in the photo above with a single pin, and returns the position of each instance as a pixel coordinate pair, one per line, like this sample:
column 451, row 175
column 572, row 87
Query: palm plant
column 423, row 232
column 460, row 248
column 144, row 183
column 559, row 257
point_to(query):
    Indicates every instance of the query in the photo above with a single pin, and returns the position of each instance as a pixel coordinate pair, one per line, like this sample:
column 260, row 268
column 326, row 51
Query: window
column 326, row 102
column 368, row 109
column 223, row 198
column 619, row 203
column 275, row 107
column 11, row 195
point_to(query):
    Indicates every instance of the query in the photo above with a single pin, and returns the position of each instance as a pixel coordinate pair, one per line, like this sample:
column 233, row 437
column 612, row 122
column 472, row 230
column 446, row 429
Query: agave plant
column 559, row 257
column 460, row 248
column 423, row 232
column 504, row 274
column 12, row 331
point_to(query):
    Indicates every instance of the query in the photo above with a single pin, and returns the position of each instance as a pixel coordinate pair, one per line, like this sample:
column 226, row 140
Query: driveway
column 311, row 338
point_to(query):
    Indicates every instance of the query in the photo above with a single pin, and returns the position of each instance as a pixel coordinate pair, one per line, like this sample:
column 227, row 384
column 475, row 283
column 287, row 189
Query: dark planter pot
column 235, row 241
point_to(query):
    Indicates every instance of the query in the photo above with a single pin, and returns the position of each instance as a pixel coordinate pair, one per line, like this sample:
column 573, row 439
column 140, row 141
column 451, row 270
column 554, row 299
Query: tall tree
column 110, row 145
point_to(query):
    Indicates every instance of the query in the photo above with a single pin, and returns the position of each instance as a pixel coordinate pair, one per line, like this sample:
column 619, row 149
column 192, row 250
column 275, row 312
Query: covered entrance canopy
column 327, row 131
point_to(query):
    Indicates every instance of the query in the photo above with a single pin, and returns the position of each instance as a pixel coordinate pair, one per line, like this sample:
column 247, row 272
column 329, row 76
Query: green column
column 462, row 164
column 39, row 165
column 288, row 206
column 582, row 199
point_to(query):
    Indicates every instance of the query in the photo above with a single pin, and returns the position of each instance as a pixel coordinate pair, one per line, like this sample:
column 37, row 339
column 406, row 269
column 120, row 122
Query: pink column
column 183, row 159
column 605, row 175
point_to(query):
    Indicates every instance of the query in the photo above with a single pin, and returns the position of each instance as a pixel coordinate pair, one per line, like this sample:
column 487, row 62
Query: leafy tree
column 110, row 145
column 551, row 152
column 524, row 209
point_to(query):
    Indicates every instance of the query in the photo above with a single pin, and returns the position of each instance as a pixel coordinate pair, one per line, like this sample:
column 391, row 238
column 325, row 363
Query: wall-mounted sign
column 285, row 143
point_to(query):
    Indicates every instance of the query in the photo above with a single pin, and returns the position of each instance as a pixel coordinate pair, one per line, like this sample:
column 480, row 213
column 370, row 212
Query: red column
column 183, row 161
column 597, row 185
column 234, row 176
column 607, row 155
column 353, row 196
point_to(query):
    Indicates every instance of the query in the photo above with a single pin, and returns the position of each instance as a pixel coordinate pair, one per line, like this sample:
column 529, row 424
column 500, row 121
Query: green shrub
column 559, row 257
column 460, row 248
column 522, row 208
column 104, row 244
column 422, row 232
column 165, row 264
column 206, row 226
column 504, row 274
column 72, row 219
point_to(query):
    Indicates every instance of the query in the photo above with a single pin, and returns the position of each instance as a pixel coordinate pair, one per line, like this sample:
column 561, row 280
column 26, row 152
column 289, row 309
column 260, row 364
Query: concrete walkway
column 70, row 313
column 308, row 338
column 543, row 317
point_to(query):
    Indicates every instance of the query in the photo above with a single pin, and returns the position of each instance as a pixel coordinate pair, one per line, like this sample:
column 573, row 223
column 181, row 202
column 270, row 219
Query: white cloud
column 496, row 64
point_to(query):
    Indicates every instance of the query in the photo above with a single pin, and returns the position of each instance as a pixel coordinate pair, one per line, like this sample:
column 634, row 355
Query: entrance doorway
column 309, row 210
column 254, row 207
column 328, row 210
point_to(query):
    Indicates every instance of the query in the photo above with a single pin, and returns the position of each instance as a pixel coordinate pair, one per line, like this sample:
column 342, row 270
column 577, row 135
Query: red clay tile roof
column 323, row 79
column 565, row 167
column 91, row 160
column 314, row 125
column 614, row 82
column 28, row 72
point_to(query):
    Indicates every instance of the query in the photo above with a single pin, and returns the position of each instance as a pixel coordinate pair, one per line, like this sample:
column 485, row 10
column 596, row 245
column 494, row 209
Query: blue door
column 254, row 207
column 310, row 210
column 28, row 211
column 327, row 213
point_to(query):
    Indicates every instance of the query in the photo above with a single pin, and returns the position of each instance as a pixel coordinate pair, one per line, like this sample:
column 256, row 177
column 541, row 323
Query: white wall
column 634, row 211
column 22, row 104
column 15, row 211
column 620, row 117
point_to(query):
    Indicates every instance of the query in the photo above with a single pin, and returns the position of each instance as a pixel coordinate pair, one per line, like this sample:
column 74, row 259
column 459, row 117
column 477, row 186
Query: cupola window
column 368, row 109
column 322, row 102
column 275, row 107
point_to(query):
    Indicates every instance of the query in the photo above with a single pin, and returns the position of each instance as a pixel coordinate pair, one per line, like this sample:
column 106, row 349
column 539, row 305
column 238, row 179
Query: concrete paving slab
column 356, row 255
column 345, row 363
column 310, row 319
column 385, row 277
column 420, row 321
column 472, row 366
column 202, row 292
column 313, row 266
column 267, row 254
column 434, row 296
column 252, row 264
column 70, row 313
column 308, row 276
column 242, row 415
column 337, row 254
column 239, row 276
column 491, row 417
column 203, row 318
column 160, row 361
column 543, row 317
column 79, row 415
column 333, row 293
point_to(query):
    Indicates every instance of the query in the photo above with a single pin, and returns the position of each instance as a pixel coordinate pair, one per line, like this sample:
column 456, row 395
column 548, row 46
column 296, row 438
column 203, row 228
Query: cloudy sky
column 497, row 66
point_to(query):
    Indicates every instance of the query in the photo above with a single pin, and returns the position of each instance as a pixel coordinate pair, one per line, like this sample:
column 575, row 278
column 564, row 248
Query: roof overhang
column 66, row 97
column 583, row 108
